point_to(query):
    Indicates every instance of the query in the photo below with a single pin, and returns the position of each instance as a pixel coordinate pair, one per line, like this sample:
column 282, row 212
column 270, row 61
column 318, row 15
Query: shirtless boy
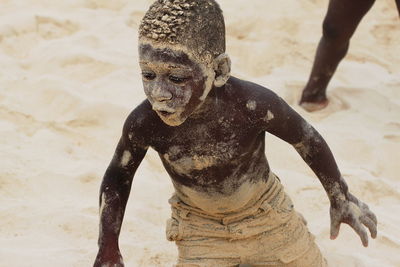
column 209, row 131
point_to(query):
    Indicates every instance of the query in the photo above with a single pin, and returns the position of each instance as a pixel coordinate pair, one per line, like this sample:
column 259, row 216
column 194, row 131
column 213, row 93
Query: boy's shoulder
column 141, row 121
column 140, row 114
column 253, row 97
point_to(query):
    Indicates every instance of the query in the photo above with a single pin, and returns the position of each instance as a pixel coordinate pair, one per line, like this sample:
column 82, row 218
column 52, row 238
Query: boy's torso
column 216, row 158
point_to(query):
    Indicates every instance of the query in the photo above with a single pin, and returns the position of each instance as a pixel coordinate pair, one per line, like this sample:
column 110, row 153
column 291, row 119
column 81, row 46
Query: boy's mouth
column 162, row 109
column 165, row 113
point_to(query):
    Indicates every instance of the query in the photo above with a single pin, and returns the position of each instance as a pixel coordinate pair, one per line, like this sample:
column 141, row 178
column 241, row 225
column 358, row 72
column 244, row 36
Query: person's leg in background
column 340, row 23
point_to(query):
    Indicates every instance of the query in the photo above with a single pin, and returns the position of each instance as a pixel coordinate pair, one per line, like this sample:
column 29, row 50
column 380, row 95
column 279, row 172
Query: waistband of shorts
column 268, row 199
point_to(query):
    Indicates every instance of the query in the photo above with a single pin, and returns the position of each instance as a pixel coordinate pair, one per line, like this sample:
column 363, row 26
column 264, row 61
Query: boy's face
column 174, row 83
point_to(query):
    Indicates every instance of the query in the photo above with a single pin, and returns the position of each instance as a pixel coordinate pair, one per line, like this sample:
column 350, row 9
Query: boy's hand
column 356, row 214
column 108, row 258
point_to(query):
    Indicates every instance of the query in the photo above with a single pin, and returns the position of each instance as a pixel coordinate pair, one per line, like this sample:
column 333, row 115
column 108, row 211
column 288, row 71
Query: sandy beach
column 70, row 76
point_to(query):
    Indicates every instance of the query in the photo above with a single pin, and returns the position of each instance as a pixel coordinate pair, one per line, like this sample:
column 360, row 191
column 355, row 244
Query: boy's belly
column 246, row 194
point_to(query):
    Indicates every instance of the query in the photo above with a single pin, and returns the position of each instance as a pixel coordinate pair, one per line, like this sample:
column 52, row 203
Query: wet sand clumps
column 197, row 24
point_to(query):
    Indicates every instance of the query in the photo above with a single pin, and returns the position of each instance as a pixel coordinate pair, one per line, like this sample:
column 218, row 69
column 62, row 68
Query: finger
column 357, row 226
column 370, row 224
column 335, row 227
column 368, row 212
column 372, row 216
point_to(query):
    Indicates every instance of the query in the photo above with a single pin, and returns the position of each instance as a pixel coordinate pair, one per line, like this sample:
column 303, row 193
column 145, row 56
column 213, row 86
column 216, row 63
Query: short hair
column 197, row 24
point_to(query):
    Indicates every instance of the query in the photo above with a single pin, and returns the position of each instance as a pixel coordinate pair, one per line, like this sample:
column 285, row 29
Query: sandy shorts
column 269, row 233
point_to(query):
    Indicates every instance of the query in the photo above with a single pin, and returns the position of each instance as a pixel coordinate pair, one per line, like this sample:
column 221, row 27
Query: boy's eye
column 148, row 75
column 177, row 79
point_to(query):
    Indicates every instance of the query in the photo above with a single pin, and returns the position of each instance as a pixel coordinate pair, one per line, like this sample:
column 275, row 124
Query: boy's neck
column 209, row 105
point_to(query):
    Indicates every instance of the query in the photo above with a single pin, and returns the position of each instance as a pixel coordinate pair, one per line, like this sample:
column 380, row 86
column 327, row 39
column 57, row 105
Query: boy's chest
column 205, row 145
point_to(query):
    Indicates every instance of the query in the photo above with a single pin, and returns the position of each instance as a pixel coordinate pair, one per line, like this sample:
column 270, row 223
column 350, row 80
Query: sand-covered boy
column 209, row 131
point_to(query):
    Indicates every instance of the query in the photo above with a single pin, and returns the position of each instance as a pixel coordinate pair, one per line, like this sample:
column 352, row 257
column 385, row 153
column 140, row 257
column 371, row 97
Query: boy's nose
column 161, row 95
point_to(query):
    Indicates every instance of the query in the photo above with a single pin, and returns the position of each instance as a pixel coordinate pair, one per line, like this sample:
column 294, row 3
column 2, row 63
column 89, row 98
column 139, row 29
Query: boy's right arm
column 114, row 193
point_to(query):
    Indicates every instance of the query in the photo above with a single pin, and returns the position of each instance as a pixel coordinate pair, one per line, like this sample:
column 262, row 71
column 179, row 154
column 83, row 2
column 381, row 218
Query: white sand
column 69, row 76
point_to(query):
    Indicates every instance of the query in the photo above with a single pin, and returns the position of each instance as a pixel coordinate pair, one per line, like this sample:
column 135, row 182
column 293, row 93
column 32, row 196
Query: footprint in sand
column 378, row 189
column 392, row 129
column 76, row 67
column 337, row 100
column 18, row 39
column 50, row 28
column 392, row 137
column 241, row 29
column 385, row 34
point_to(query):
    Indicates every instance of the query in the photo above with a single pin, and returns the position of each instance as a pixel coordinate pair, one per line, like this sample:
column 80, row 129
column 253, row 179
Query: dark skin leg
column 339, row 25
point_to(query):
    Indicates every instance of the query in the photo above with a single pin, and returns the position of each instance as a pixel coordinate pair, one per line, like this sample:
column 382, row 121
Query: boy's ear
column 222, row 68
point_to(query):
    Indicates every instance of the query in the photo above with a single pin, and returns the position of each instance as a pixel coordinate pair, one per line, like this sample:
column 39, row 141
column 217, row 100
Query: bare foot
column 314, row 106
column 313, row 99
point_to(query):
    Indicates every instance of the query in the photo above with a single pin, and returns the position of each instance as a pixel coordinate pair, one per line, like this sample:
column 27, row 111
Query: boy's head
column 181, row 50
column 197, row 25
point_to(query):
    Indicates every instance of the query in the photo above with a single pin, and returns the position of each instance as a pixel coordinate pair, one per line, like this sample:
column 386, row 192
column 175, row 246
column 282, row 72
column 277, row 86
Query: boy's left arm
column 289, row 126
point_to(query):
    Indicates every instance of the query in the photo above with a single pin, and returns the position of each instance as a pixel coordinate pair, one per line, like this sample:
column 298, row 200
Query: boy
column 209, row 131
